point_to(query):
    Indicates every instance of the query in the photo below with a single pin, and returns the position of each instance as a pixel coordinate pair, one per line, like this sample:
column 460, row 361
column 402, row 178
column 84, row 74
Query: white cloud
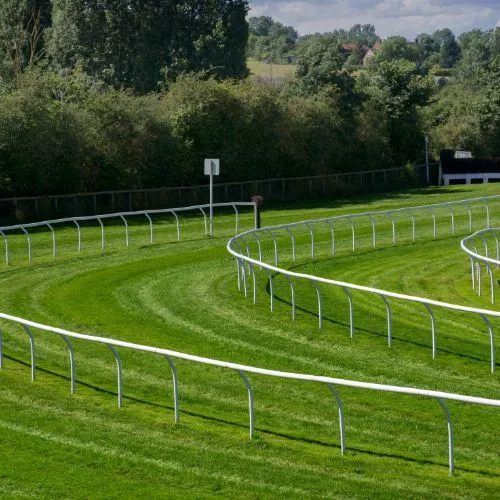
column 390, row 17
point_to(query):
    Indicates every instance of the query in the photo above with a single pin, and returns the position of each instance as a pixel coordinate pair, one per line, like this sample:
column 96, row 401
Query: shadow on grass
column 346, row 201
column 290, row 437
column 373, row 332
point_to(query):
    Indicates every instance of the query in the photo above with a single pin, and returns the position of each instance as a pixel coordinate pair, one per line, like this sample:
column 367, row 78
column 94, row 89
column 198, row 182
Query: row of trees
column 136, row 44
column 68, row 133
column 77, row 112
column 271, row 41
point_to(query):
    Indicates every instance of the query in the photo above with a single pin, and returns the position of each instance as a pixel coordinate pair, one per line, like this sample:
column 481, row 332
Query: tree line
column 123, row 94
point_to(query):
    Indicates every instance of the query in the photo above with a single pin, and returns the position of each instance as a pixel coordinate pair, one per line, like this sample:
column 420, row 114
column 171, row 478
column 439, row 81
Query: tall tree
column 396, row 47
column 398, row 91
column 22, row 25
column 269, row 39
column 210, row 35
column 449, row 50
column 129, row 42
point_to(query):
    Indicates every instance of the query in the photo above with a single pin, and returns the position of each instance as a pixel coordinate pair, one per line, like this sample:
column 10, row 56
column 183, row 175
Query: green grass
column 271, row 71
column 183, row 296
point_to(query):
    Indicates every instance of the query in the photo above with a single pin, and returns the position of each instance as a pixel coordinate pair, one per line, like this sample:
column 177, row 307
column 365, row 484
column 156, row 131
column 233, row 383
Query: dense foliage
column 94, row 96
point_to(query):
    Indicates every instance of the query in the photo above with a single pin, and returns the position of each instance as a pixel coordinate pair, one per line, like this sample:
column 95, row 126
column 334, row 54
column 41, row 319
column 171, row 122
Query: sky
column 391, row 17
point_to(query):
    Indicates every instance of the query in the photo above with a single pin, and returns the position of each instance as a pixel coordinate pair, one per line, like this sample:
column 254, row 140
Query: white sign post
column 212, row 167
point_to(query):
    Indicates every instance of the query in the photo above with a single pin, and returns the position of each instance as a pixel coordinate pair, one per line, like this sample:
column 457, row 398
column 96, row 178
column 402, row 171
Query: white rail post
column 470, row 217
column 433, row 329
column 254, row 282
column 292, row 295
column 434, row 227
column 119, row 375
column 478, row 277
column 257, row 239
column 237, row 228
column 178, row 225
column 244, row 276
column 413, row 229
column 451, row 464
column 204, row 220
column 29, row 242
column 340, row 406
column 126, row 230
column 492, row 342
column 320, row 305
column 6, row 241
column 351, row 311
column 176, row 387
column 389, row 318
column 485, row 243
column 473, row 274
column 250, row 400
column 102, row 234
column 32, row 350
column 271, row 294
column 79, row 235
column 492, row 285
column 332, row 230
column 275, row 247
column 353, row 234
column 374, row 232
column 393, row 224
column 72, row 363
column 54, row 247
column 151, row 236
column 292, row 236
column 452, row 220
column 487, row 214
column 238, row 271
column 311, row 232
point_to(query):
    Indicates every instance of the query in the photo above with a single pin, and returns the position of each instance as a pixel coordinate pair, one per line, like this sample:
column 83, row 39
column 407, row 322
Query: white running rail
column 485, row 238
column 4, row 230
column 239, row 246
column 243, row 371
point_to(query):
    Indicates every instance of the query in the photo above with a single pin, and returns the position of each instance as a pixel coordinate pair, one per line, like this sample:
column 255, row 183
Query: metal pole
column 211, row 204
column 427, row 160
column 340, row 406
column 250, row 401
column 449, row 422
column 176, row 387
column 33, row 352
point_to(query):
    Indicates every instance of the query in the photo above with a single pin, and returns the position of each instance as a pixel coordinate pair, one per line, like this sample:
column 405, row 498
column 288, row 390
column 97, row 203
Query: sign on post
column 212, row 167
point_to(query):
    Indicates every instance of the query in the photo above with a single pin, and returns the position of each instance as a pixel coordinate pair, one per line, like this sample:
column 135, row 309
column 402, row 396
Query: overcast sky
column 390, row 17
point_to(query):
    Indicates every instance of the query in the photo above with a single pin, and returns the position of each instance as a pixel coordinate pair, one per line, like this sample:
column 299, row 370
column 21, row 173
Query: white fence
column 243, row 371
column 240, row 247
column 5, row 230
column 485, row 238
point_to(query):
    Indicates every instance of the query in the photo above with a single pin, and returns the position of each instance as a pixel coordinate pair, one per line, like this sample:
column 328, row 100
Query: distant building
column 371, row 52
column 367, row 52
column 460, row 167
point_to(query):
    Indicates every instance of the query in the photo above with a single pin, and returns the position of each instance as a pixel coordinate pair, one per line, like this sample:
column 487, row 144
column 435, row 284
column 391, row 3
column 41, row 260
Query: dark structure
column 459, row 167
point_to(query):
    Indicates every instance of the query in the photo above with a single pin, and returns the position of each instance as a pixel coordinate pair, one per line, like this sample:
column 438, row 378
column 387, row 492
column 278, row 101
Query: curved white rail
column 242, row 370
column 4, row 230
column 477, row 258
column 242, row 255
